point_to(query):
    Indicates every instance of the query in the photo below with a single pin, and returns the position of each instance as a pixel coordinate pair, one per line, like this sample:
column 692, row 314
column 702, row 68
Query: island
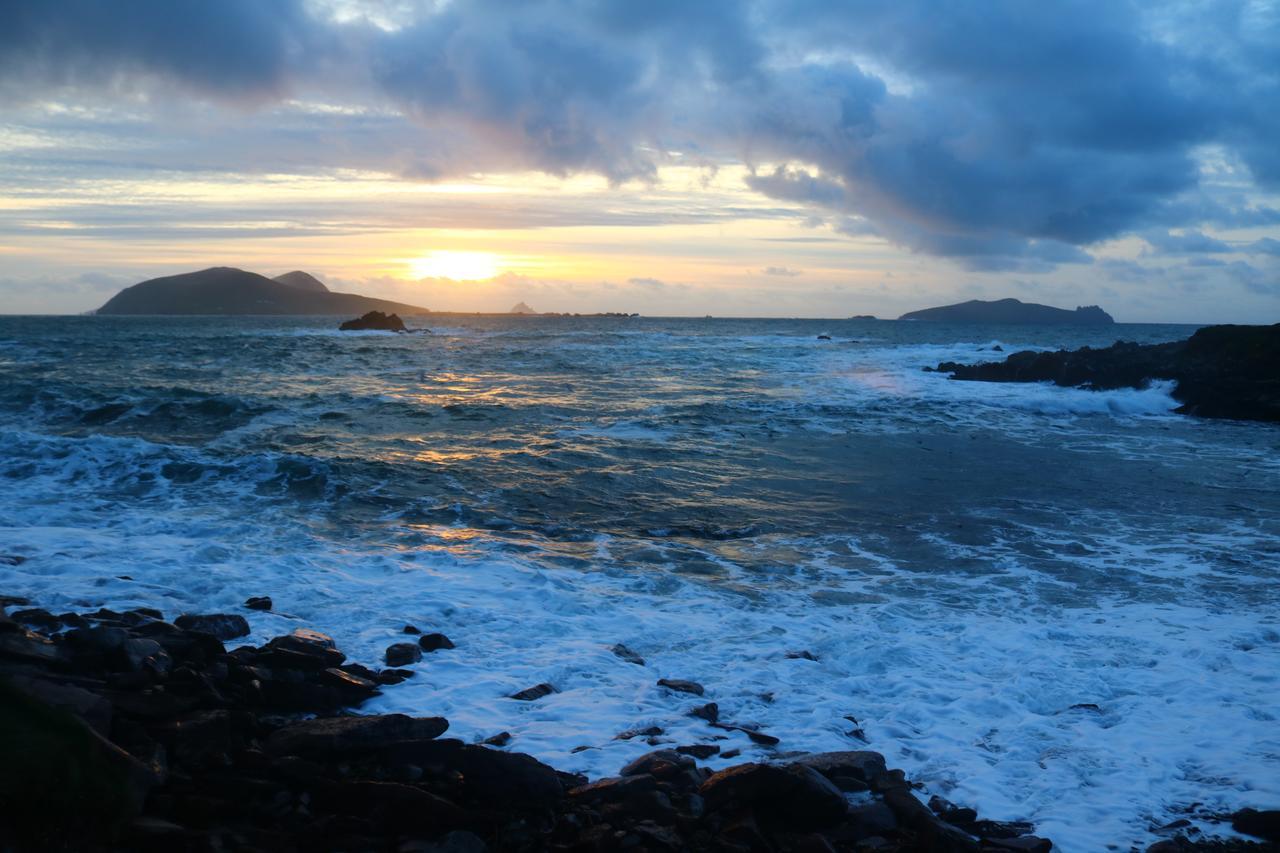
column 231, row 291
column 1220, row 371
column 1011, row 311
column 521, row 308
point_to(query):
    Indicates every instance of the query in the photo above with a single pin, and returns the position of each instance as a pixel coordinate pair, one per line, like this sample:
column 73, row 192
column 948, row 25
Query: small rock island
column 375, row 321
column 1011, row 311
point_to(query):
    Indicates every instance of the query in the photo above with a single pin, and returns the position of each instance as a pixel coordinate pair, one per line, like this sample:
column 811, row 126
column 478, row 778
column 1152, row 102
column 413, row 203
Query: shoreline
column 152, row 735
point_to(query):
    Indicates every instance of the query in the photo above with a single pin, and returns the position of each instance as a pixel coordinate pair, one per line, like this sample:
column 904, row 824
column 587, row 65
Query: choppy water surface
column 966, row 561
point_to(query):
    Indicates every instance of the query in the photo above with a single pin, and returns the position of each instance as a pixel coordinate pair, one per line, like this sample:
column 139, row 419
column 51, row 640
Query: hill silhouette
column 226, row 290
column 302, row 281
column 1011, row 311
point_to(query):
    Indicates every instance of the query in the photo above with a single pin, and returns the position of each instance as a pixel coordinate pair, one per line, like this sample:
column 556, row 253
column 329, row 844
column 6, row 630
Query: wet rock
column 681, row 686
column 530, row 694
column 661, row 764
column 996, row 829
column 354, row 687
column 393, row 676
column 37, row 618
column 224, row 626
column 631, row 734
column 872, row 819
column 1022, row 844
column 796, row 794
column 1259, row 824
column 862, row 765
column 802, row 655
column 709, row 712
column 751, row 732
column 627, row 655
column 402, row 654
column 259, row 602
column 951, row 813
column 410, row 629
column 500, row 739
column 434, row 642
column 147, row 655
column 338, row 736
column 937, row 835
column 700, row 750
column 511, row 779
column 100, row 640
column 614, row 789
column 24, row 645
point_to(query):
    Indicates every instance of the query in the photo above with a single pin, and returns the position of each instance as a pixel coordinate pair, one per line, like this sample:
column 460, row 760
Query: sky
column 818, row 158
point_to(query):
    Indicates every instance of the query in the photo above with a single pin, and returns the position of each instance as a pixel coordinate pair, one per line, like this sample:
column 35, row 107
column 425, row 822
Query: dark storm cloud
column 1007, row 135
column 230, row 48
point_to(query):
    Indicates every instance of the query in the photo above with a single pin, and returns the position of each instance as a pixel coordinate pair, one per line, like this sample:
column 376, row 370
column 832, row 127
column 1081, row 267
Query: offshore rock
column 374, row 321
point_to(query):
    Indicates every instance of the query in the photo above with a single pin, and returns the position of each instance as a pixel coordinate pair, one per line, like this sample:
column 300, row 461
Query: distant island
column 229, row 291
column 521, row 308
column 1011, row 311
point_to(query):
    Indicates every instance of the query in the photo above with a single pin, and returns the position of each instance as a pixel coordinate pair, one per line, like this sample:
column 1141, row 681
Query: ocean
column 1051, row 604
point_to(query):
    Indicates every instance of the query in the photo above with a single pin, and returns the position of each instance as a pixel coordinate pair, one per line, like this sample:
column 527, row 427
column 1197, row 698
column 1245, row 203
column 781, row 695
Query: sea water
column 1051, row 604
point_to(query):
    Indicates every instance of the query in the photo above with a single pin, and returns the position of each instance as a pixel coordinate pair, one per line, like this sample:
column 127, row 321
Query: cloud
column 1186, row 243
column 1003, row 136
column 1265, row 246
column 781, row 271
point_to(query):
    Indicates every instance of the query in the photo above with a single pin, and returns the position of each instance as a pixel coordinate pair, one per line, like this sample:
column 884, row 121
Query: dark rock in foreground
column 1220, row 371
column 1013, row 312
column 131, row 733
column 374, row 321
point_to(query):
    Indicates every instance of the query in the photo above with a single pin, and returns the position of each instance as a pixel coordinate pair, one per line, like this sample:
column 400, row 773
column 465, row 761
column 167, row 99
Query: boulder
column 374, row 321
column 626, row 654
column 224, row 626
column 259, row 602
column 1259, row 824
column 402, row 654
column 681, row 686
column 434, row 642
column 862, row 765
column 796, row 795
column 338, row 736
column 530, row 694
column 661, row 764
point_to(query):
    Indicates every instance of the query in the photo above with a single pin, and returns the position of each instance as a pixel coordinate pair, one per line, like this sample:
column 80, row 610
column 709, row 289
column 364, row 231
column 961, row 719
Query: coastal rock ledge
column 1220, row 371
column 123, row 731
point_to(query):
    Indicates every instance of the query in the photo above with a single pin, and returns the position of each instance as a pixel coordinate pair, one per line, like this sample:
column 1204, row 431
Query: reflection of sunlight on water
column 882, row 381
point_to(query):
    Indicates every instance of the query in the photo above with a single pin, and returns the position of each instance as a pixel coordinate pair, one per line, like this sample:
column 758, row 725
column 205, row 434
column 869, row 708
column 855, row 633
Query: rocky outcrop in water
column 1011, row 311
column 1220, row 371
column 375, row 321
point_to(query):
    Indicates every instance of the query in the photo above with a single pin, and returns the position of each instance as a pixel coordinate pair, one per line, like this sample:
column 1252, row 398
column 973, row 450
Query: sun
column 459, row 266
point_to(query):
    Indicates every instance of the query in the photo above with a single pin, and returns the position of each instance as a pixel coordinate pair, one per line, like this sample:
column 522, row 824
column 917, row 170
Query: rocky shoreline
column 127, row 731
column 1220, row 371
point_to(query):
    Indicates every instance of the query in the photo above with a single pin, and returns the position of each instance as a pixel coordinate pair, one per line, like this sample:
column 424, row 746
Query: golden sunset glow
column 459, row 266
